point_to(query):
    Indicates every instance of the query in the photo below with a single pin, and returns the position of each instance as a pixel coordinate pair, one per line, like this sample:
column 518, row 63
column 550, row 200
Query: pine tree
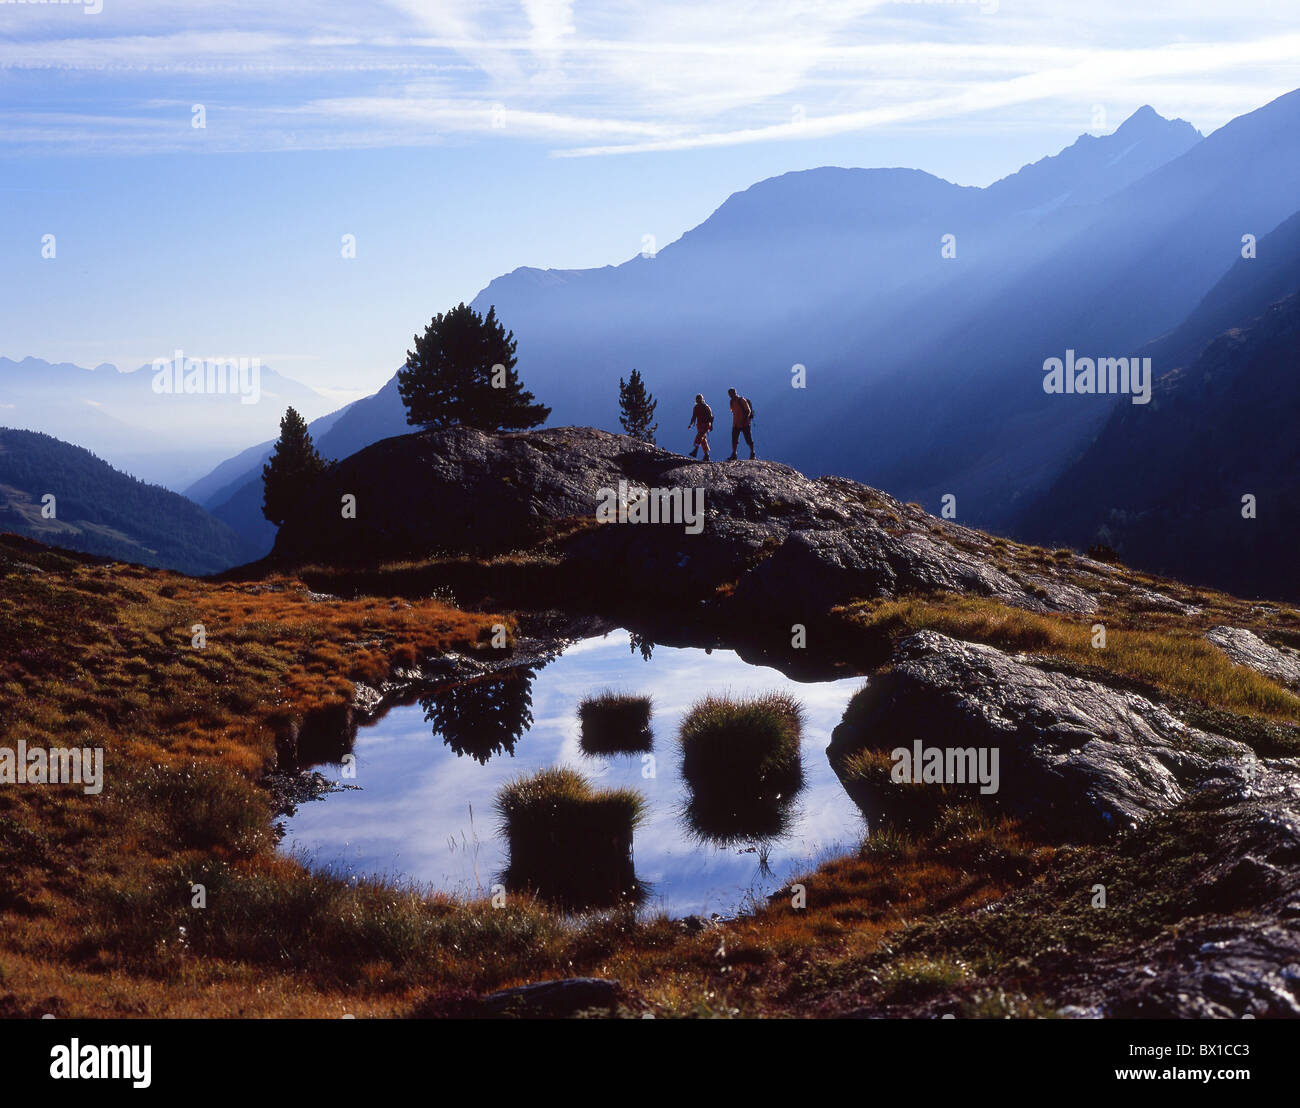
column 462, row 371
column 637, row 408
column 293, row 469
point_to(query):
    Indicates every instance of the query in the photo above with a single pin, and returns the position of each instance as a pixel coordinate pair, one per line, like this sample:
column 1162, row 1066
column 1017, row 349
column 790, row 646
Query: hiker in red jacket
column 702, row 421
column 742, row 416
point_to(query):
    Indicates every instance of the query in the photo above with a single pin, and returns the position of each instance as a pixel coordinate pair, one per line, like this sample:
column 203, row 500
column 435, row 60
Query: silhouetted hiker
column 742, row 415
column 702, row 421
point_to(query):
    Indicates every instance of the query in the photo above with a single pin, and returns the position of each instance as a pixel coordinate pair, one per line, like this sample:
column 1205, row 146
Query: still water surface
column 425, row 812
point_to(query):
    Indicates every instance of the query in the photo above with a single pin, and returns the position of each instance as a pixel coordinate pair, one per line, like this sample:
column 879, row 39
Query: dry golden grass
column 104, row 656
column 1167, row 652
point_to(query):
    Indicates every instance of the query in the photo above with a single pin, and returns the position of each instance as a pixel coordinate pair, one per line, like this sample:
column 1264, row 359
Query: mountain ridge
column 99, row 510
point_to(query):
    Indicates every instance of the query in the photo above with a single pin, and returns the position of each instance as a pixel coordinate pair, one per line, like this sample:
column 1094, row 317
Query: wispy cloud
column 613, row 78
column 1110, row 70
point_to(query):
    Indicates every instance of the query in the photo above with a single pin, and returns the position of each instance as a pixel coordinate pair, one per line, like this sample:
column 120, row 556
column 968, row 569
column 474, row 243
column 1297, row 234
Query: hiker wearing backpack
column 702, row 421
column 742, row 416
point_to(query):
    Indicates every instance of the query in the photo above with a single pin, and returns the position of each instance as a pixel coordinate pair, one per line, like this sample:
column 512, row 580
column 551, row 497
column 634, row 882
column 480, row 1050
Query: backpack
column 748, row 407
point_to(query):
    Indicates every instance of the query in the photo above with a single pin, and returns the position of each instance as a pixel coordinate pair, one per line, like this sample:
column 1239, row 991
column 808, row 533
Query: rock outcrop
column 1076, row 758
column 554, row 999
column 1248, row 649
column 786, row 544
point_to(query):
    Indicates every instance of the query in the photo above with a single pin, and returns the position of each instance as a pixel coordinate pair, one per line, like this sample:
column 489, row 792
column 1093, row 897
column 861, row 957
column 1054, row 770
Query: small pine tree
column 462, row 371
column 637, row 408
column 293, row 469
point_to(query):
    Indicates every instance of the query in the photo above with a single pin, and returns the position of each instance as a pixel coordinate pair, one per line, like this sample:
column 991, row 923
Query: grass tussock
column 741, row 761
column 756, row 738
column 613, row 722
column 570, row 843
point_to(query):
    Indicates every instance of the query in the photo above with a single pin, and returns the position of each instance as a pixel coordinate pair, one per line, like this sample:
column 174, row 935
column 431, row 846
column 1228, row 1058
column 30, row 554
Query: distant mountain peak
column 1144, row 113
column 1147, row 121
column 1096, row 166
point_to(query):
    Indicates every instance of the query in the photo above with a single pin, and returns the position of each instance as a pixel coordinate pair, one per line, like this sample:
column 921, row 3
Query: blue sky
column 458, row 141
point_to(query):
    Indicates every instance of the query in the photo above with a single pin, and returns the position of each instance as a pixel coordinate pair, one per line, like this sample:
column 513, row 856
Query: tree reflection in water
column 486, row 716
